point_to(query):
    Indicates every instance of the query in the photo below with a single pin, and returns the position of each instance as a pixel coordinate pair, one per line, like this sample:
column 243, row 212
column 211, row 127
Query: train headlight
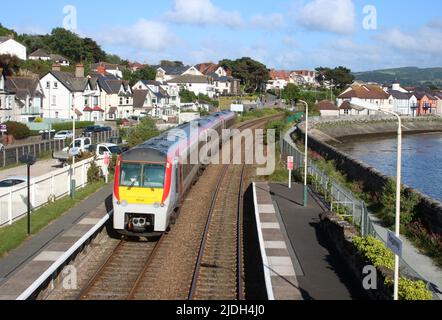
column 156, row 205
column 124, row 203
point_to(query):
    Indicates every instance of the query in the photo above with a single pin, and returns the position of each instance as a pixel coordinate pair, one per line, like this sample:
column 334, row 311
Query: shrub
column 144, row 131
column 38, row 120
column 375, row 251
column 93, row 173
column 68, row 125
column 411, row 290
column 18, row 130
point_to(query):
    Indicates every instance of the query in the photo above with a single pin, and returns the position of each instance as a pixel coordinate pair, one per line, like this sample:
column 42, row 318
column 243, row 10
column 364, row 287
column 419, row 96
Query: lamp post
column 398, row 191
column 29, row 160
column 305, row 197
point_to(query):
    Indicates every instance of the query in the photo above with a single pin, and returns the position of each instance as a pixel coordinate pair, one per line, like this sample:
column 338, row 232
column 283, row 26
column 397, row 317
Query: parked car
column 63, row 135
column 106, row 129
column 12, row 182
column 80, row 144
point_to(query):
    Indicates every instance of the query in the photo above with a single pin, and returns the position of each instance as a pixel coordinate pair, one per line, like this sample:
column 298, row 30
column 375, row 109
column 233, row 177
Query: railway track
column 195, row 260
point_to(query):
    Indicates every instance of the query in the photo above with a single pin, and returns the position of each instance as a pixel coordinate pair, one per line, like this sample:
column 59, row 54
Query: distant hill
column 409, row 76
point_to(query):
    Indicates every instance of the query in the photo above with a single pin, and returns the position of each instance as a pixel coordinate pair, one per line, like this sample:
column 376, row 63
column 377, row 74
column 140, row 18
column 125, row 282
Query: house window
column 127, row 101
column 347, row 111
column 121, row 101
column 96, row 101
column 56, row 115
column 55, row 85
column 86, row 102
column 48, row 85
column 54, row 100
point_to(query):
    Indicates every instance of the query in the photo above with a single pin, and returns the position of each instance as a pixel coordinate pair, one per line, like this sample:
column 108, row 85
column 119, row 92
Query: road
column 40, row 168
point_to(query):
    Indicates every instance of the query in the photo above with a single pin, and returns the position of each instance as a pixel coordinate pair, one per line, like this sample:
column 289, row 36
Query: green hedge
column 377, row 253
column 18, row 130
column 68, row 125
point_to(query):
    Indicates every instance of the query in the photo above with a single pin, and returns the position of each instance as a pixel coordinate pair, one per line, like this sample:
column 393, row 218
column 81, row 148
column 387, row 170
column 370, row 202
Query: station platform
column 299, row 262
column 33, row 263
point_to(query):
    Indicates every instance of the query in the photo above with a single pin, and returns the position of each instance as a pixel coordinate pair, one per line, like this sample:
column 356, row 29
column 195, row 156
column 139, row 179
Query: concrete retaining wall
column 373, row 180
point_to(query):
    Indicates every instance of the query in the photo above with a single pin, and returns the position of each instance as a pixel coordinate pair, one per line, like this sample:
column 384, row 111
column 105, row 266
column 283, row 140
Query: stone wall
column 373, row 180
column 341, row 234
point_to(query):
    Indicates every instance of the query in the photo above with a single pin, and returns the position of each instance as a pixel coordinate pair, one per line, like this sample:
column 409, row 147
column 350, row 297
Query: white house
column 366, row 95
column 68, row 93
column 166, row 73
column 7, row 102
column 28, row 97
column 224, row 83
column 403, row 103
column 117, row 97
column 113, row 69
column 195, row 83
column 9, row 46
column 40, row 55
column 308, row 77
column 279, row 79
column 327, row 109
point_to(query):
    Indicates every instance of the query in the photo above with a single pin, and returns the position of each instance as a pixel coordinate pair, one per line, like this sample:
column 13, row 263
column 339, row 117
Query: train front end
column 141, row 193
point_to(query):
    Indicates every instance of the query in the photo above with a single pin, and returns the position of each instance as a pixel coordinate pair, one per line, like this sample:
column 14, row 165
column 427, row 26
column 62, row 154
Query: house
column 28, row 97
column 40, row 55
column 404, row 103
column 198, row 84
column 308, row 77
column 162, row 99
column 373, row 96
column 427, row 103
column 279, row 79
column 9, row 46
column 135, row 66
column 116, row 96
column 8, row 110
column 71, row 94
column 113, row 69
column 166, row 73
column 224, row 83
column 438, row 96
column 327, row 109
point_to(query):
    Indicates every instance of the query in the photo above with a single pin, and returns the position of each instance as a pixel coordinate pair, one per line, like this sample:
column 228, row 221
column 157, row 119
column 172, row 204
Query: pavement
column 40, row 168
column 320, row 271
column 12, row 263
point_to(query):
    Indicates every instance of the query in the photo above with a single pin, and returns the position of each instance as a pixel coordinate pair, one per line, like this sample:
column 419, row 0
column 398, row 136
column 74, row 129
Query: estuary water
column 421, row 158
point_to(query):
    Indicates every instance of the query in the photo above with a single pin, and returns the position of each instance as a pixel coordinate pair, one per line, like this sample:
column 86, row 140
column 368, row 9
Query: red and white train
column 152, row 178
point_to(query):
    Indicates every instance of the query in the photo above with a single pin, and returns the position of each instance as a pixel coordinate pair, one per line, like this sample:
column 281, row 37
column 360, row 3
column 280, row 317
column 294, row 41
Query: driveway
column 40, row 168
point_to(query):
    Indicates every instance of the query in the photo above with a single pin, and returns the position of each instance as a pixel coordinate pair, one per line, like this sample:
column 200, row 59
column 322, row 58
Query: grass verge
column 13, row 236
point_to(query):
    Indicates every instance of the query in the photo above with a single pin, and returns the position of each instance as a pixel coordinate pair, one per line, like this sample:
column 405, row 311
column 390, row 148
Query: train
column 152, row 178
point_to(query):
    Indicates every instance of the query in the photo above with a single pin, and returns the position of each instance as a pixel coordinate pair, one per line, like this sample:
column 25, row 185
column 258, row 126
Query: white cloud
column 271, row 21
column 202, row 12
column 336, row 16
column 144, row 34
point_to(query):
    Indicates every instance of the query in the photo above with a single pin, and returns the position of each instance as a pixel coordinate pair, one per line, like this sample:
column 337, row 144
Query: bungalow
column 7, row 102
column 327, row 109
column 40, row 55
column 69, row 93
column 9, row 46
column 28, row 97
column 372, row 96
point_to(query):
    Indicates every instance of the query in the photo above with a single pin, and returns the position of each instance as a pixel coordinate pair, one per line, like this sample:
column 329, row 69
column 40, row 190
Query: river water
column 422, row 158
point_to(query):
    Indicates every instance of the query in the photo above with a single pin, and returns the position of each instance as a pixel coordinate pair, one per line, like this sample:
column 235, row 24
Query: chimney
column 79, row 70
column 56, row 67
column 101, row 69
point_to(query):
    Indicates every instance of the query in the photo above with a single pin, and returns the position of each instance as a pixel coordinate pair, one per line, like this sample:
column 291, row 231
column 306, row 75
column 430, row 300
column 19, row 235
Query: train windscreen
column 135, row 175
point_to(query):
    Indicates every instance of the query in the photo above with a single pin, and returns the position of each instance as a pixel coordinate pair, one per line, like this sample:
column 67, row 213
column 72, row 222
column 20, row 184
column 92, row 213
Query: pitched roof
column 108, row 66
column 367, row 91
column 420, row 95
column 187, row 78
column 3, row 39
column 22, row 86
column 346, row 105
column 438, row 94
column 40, row 53
column 174, row 70
column 57, row 58
column 326, row 105
column 280, row 75
column 139, row 98
column 207, row 68
column 400, row 95
column 69, row 80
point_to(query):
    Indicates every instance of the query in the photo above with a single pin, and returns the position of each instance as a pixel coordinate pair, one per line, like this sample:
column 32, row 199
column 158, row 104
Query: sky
column 284, row 34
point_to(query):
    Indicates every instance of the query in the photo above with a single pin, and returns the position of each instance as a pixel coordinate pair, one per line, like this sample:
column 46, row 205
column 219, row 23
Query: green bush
column 93, row 173
column 411, row 290
column 68, row 125
column 18, row 130
column 145, row 130
column 375, row 251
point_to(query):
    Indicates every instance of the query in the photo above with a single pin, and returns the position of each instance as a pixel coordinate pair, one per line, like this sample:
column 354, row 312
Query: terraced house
column 28, row 97
column 69, row 95
column 7, row 102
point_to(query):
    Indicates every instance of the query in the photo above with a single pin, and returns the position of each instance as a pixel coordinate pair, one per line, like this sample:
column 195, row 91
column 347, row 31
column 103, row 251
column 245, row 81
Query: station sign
column 290, row 163
column 395, row 244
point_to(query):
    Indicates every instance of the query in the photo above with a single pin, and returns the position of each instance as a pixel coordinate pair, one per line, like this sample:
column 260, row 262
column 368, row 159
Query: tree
column 145, row 73
column 92, row 52
column 341, row 76
column 188, row 96
column 253, row 74
column 291, row 93
column 5, row 32
column 145, row 130
column 9, row 64
column 67, row 44
column 114, row 59
column 167, row 63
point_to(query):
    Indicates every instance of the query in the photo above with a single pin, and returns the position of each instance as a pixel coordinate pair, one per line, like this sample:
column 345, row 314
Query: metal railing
column 338, row 196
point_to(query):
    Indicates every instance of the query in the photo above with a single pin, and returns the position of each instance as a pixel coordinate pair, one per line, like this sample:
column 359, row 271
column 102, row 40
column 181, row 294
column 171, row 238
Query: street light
column 398, row 189
column 29, row 160
column 306, row 154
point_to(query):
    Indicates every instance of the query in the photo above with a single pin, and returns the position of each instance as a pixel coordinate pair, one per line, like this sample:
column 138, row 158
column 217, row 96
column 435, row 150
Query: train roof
column 157, row 149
